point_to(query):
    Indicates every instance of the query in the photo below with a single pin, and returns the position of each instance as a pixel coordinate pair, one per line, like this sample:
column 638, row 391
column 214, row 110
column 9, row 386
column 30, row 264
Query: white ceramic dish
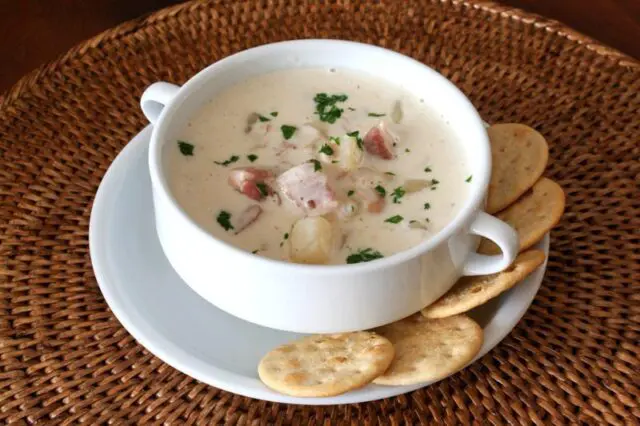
column 187, row 332
column 318, row 298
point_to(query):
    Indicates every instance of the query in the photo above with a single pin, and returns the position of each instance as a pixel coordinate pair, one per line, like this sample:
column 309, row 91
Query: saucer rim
column 160, row 346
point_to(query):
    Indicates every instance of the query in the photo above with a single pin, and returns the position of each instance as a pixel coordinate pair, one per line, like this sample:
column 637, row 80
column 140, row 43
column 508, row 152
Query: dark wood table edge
column 551, row 25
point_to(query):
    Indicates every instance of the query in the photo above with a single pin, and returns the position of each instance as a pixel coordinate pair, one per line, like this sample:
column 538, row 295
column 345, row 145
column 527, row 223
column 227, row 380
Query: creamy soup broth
column 319, row 166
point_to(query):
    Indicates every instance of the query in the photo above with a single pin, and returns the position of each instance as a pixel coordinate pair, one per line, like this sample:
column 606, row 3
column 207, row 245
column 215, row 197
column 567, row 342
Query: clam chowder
column 319, row 166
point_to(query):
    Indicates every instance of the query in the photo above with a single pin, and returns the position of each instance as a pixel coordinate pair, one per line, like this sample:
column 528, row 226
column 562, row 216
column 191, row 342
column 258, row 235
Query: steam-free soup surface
column 319, row 166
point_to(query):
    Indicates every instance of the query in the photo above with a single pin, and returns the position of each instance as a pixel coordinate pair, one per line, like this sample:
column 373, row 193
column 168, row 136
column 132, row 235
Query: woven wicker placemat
column 574, row 358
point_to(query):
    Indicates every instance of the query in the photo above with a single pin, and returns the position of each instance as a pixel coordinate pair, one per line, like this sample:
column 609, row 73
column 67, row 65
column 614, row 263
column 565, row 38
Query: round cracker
column 326, row 365
column 470, row 292
column 519, row 155
column 429, row 349
column 531, row 216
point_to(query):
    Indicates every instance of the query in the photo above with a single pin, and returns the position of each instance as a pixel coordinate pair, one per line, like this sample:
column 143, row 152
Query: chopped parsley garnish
column 326, row 106
column 185, row 148
column 255, row 251
column 286, row 235
column 381, row 190
column 350, row 193
column 397, row 194
column 224, row 219
column 356, row 135
column 394, row 219
column 427, row 169
column 326, row 149
column 434, row 181
column 274, row 114
column 334, row 139
column 364, row 255
column 407, row 150
column 373, row 114
column 262, row 118
column 317, row 166
column 288, row 131
column 264, row 190
column 427, row 206
column 252, row 157
column 469, row 178
column 231, row 160
column 389, row 173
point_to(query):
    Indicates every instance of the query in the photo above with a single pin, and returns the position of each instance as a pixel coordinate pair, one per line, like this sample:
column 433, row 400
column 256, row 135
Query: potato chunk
column 312, row 241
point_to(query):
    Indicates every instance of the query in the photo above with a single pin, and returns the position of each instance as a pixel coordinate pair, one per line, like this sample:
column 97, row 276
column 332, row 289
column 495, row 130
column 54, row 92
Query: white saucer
column 188, row 333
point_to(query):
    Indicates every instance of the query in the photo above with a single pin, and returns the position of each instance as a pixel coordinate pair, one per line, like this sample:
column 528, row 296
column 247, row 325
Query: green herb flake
column 407, row 150
column 356, row 135
column 374, row 114
column 288, row 131
column 262, row 118
column 351, row 109
column 427, row 169
column 186, row 148
column 434, row 181
column 274, row 114
column 231, row 160
column 286, row 236
column 469, row 178
column 317, row 166
column 397, row 194
column 224, row 219
column 427, row 206
column 262, row 187
column 334, row 139
column 364, row 255
column 326, row 149
column 255, row 251
column 252, row 157
column 394, row 219
column 380, row 189
column 389, row 173
column 326, row 106
column 350, row 193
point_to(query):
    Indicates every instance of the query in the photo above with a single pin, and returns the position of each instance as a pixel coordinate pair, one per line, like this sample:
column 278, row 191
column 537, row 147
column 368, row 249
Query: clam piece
column 247, row 217
column 251, row 120
column 311, row 241
column 348, row 210
column 414, row 224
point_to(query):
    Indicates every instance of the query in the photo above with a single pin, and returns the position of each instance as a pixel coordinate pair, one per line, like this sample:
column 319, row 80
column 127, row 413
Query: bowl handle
column 500, row 233
column 155, row 98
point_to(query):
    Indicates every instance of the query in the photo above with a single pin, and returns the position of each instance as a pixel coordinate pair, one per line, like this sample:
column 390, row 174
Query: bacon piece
column 308, row 189
column 247, row 180
column 247, row 217
column 378, row 142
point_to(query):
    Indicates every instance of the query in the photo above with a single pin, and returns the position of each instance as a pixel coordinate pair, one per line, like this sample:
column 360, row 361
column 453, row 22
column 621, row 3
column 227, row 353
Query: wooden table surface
column 36, row 31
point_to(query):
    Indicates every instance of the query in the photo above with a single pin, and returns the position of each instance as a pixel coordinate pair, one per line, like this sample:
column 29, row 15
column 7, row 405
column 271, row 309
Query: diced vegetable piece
column 396, row 112
column 415, row 185
column 350, row 156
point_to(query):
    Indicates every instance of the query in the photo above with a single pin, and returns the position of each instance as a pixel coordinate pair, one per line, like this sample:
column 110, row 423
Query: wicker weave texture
column 574, row 358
